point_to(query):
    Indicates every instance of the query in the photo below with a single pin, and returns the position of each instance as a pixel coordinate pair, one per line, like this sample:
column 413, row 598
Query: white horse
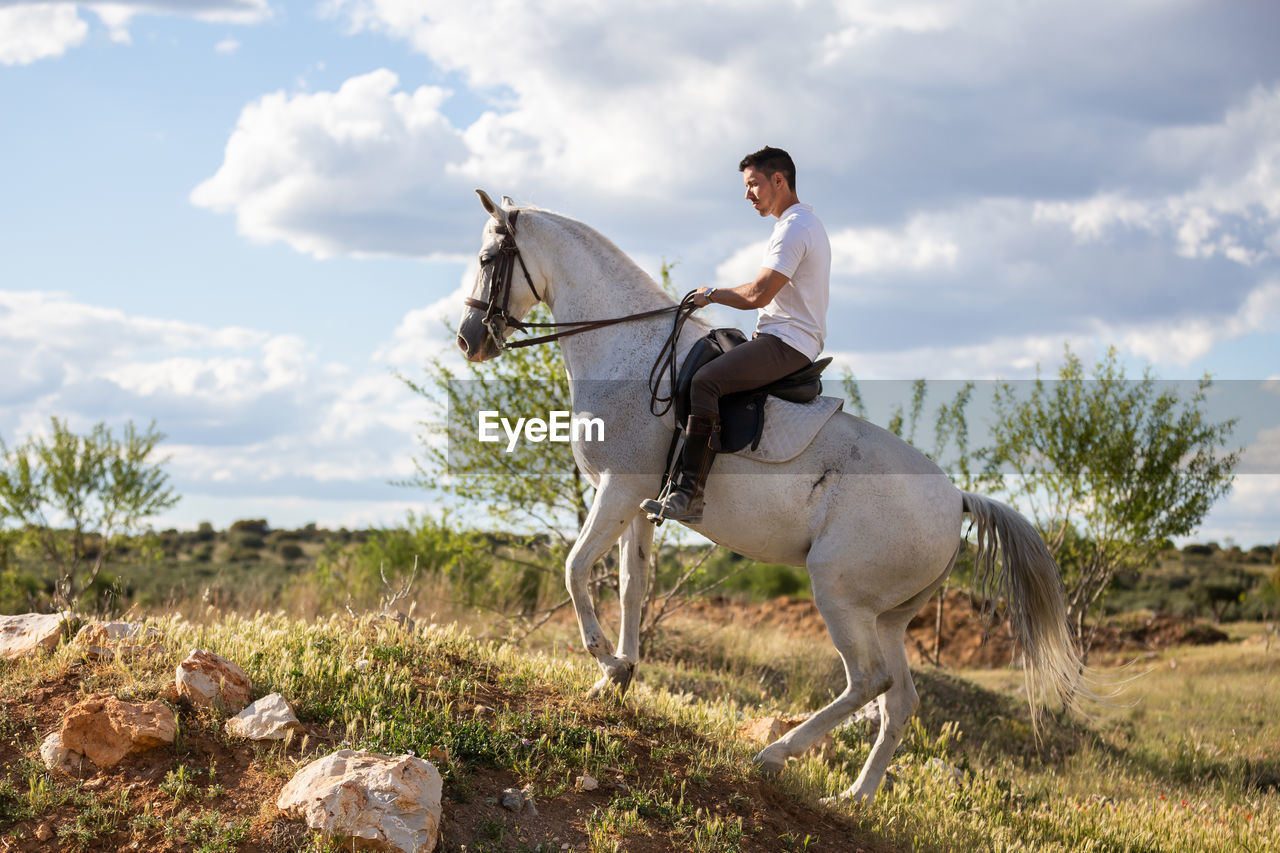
column 874, row 521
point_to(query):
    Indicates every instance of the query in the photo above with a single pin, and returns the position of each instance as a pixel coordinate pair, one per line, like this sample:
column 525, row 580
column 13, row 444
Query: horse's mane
column 586, row 234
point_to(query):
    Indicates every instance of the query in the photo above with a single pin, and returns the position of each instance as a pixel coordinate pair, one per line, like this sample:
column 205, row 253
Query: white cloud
column 1233, row 170
column 356, row 171
column 31, row 30
column 990, row 192
column 227, row 46
column 423, row 335
column 245, row 412
column 1186, row 339
column 1173, row 342
column 1246, row 515
column 39, row 31
column 945, row 153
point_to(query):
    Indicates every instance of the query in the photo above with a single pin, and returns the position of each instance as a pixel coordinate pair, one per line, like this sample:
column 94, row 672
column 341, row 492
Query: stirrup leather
column 682, row 498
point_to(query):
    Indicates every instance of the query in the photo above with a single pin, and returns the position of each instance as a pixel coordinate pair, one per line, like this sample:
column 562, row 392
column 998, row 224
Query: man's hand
column 700, row 297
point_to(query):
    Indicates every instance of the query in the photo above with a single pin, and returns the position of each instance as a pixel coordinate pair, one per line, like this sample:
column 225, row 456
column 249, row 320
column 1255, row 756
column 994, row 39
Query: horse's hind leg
column 853, row 630
column 897, row 704
column 900, row 701
column 632, row 577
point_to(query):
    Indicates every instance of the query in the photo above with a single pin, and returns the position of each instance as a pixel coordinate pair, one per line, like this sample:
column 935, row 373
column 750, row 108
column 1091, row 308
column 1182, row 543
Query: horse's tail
column 1028, row 579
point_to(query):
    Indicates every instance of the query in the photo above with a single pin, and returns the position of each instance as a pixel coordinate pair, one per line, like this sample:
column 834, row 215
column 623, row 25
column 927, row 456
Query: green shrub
column 257, row 526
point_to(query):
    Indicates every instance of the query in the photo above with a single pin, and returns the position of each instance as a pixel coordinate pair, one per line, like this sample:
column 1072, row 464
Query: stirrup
column 660, row 510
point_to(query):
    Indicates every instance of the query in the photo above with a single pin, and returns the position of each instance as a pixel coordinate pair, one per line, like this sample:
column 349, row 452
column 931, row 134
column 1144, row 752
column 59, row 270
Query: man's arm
column 747, row 297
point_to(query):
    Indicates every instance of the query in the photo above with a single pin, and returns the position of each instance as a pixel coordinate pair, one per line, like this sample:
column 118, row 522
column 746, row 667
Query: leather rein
column 497, row 317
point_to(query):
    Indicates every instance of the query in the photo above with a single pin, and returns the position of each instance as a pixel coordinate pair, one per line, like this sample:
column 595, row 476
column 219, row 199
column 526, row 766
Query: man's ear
column 492, row 209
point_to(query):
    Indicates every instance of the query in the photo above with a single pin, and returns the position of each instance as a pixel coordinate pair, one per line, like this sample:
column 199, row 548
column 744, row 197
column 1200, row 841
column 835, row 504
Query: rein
column 498, row 318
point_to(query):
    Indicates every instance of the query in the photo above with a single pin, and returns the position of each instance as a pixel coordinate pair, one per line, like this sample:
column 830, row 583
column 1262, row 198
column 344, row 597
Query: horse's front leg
column 633, row 573
column 616, row 504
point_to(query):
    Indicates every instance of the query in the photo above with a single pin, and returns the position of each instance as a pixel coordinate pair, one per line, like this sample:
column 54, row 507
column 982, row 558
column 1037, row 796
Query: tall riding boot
column 684, row 501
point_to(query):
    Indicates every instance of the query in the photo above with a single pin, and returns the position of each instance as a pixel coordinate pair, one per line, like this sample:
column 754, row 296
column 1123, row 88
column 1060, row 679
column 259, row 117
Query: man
column 790, row 293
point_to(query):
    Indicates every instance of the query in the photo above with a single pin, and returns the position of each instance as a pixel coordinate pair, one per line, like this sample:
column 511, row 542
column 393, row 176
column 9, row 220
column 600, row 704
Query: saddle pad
column 790, row 427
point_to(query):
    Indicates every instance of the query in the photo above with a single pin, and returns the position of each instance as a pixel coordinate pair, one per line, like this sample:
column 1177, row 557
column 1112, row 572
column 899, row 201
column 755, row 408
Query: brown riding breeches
column 756, row 363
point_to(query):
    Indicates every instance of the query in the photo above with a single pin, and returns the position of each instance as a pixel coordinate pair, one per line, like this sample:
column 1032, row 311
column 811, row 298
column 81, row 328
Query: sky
column 244, row 219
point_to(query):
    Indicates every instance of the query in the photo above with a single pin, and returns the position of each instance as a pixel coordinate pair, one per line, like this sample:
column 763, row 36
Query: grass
column 1190, row 765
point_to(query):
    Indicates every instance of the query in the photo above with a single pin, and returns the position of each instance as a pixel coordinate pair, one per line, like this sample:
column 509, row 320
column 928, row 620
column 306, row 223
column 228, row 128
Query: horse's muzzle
column 474, row 339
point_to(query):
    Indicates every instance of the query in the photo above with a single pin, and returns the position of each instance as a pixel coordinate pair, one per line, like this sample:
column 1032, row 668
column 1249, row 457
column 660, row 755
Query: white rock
column 57, row 757
column 103, row 640
column 208, row 679
column 270, row 718
column 381, row 802
column 29, row 633
column 586, row 782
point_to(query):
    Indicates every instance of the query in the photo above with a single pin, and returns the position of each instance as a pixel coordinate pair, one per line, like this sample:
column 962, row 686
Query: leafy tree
column 72, row 498
column 1110, row 467
column 533, row 489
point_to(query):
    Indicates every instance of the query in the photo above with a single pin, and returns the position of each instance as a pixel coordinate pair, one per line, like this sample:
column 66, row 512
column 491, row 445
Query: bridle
column 498, row 318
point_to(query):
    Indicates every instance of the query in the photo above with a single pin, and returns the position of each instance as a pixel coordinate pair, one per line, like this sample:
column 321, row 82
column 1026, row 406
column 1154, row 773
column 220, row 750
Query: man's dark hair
column 770, row 161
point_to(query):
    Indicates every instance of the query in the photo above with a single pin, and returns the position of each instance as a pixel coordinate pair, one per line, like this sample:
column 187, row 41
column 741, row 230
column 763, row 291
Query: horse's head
column 503, row 293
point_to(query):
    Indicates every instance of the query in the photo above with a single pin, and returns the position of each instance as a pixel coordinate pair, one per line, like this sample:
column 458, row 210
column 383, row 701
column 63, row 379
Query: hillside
column 1190, row 764
column 673, row 774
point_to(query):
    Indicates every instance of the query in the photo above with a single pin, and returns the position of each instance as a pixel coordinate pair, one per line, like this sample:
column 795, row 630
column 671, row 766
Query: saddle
column 742, row 415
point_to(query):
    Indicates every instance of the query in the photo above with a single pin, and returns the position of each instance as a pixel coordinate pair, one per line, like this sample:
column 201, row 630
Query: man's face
column 762, row 192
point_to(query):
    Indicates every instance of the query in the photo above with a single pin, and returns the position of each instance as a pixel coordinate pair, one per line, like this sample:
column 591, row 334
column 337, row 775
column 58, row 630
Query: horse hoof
column 619, row 676
column 767, row 765
column 623, row 679
column 598, row 688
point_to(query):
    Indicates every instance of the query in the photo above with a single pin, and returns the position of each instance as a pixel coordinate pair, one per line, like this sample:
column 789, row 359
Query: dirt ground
column 969, row 639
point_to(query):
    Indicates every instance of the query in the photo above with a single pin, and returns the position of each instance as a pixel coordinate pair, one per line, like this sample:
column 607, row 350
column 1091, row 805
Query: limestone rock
column 208, row 679
column 766, row 730
column 380, row 802
column 29, row 634
column 270, row 718
column 586, row 782
column 106, row 729
column 103, row 640
column 57, row 757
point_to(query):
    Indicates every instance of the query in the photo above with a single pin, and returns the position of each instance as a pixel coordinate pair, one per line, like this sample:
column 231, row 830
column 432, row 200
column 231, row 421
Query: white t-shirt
column 799, row 249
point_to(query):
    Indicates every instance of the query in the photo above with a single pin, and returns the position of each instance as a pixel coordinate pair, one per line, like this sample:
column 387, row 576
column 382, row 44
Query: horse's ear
column 508, row 202
column 492, row 209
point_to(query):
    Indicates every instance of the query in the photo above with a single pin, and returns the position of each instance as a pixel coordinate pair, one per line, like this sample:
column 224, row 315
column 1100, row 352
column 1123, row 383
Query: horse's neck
column 597, row 282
